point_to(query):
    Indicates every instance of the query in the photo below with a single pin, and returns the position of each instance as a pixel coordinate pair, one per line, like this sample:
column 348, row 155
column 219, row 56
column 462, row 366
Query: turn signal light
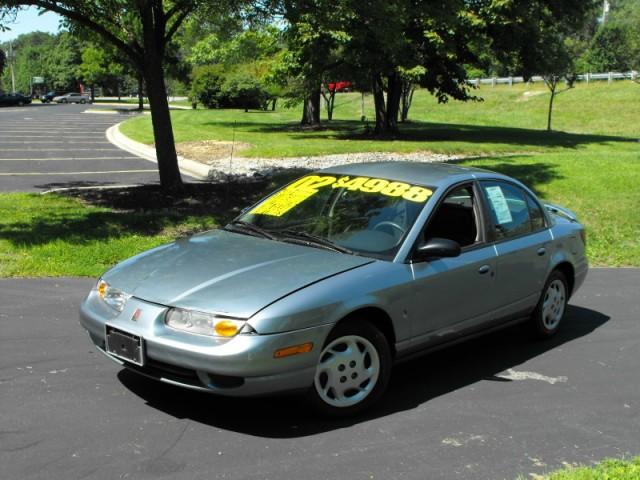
column 293, row 350
column 226, row 328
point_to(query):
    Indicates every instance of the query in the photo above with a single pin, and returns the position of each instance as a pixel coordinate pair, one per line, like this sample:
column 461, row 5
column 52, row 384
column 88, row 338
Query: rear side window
column 508, row 209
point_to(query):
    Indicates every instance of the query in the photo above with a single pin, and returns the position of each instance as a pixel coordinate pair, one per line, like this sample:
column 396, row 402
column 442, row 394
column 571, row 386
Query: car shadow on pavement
column 413, row 383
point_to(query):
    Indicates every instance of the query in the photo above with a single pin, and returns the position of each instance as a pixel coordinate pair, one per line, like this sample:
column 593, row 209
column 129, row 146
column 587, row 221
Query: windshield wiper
column 315, row 240
column 239, row 225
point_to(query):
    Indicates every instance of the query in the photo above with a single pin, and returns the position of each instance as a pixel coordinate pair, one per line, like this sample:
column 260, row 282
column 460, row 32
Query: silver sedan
column 324, row 285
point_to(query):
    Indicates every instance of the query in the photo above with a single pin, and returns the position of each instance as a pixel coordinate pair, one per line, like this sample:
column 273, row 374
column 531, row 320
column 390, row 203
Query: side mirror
column 437, row 248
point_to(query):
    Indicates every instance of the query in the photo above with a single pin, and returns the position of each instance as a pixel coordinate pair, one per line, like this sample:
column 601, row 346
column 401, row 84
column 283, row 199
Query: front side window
column 369, row 216
column 455, row 218
column 508, row 209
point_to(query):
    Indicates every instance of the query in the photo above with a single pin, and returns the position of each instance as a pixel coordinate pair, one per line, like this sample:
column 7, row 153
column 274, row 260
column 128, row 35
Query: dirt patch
column 208, row 151
column 530, row 94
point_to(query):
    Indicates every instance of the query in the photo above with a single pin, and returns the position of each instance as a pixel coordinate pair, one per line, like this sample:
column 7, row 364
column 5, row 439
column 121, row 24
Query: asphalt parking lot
column 492, row 408
column 43, row 147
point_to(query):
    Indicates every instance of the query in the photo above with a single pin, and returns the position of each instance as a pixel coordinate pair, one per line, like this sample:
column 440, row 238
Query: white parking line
column 59, row 159
column 62, row 130
column 18, row 174
column 2, row 137
column 113, row 149
column 65, row 141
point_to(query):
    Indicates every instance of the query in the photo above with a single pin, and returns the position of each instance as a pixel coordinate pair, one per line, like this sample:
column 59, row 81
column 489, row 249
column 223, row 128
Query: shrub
column 206, row 85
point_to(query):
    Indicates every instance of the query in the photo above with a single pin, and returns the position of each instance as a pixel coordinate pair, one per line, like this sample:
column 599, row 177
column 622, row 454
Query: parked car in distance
column 49, row 96
column 323, row 286
column 14, row 99
column 72, row 98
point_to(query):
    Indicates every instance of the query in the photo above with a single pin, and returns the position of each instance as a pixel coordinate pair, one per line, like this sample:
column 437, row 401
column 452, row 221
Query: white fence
column 587, row 77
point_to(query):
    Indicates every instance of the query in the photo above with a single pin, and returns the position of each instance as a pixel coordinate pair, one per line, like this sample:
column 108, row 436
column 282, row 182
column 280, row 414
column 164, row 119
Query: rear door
column 522, row 242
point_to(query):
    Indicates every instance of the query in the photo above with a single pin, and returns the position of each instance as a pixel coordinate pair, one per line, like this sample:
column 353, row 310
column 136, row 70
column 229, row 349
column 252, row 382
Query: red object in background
column 81, row 89
column 339, row 86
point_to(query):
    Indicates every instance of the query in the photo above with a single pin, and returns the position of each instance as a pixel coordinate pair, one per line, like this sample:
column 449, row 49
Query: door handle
column 484, row 269
column 542, row 251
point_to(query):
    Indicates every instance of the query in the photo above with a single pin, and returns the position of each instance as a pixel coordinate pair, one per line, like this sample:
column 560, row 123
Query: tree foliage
column 54, row 57
column 616, row 44
column 236, row 73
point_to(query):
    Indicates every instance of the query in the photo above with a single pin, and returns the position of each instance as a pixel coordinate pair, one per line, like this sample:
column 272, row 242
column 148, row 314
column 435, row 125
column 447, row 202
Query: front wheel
column 83, row 102
column 353, row 369
column 551, row 307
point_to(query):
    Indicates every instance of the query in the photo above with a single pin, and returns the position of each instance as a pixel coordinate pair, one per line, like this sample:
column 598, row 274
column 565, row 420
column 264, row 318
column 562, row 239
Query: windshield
column 368, row 216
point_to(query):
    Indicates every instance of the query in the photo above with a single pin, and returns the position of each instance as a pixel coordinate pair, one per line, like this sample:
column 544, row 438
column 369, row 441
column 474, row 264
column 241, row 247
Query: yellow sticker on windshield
column 281, row 202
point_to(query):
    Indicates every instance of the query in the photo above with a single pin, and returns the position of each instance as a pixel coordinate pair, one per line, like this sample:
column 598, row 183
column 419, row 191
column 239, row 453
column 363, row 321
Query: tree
column 237, row 72
column 99, row 66
column 616, row 44
column 534, row 37
column 142, row 31
column 315, row 34
column 44, row 55
column 557, row 64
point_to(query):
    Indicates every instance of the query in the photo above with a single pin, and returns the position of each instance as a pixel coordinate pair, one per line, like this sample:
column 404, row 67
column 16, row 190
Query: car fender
column 380, row 285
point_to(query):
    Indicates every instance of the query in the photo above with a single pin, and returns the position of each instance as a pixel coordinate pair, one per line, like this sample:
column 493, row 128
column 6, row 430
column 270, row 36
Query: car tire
column 83, row 102
column 20, row 103
column 353, row 369
column 549, row 312
column 64, row 100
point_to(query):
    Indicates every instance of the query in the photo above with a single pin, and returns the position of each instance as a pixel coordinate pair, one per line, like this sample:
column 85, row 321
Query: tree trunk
column 552, row 83
column 140, row 94
column 329, row 97
column 93, row 93
column 311, row 111
column 407, row 99
column 380, row 106
column 170, row 179
column 394, row 92
column 273, row 105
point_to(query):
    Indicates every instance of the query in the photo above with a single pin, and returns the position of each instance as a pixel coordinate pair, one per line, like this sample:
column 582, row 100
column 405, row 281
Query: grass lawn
column 610, row 469
column 54, row 236
column 509, row 119
column 86, row 232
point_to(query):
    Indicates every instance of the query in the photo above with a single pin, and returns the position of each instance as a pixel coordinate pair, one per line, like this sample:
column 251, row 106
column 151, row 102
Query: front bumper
column 243, row 365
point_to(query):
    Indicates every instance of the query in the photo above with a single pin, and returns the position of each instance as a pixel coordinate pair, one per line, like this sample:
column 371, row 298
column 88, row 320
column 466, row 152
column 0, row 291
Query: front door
column 454, row 294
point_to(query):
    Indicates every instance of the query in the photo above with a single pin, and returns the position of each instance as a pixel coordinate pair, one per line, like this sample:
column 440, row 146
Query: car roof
column 422, row 173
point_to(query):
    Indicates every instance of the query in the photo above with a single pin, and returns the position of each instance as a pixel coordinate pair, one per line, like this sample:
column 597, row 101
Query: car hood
column 225, row 272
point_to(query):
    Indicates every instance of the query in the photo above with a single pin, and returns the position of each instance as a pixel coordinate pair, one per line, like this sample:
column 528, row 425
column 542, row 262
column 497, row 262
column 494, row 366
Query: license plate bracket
column 124, row 345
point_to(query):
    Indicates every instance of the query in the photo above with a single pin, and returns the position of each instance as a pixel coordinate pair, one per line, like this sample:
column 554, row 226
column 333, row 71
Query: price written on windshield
column 299, row 191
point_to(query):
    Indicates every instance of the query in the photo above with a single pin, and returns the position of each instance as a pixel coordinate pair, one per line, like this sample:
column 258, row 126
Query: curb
column 191, row 168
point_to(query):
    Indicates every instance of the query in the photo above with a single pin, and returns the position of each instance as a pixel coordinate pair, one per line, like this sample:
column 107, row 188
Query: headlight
column 203, row 323
column 112, row 296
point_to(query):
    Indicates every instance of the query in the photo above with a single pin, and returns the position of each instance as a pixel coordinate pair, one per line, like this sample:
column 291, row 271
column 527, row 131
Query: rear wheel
column 83, row 101
column 549, row 312
column 353, row 369
column 20, row 103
